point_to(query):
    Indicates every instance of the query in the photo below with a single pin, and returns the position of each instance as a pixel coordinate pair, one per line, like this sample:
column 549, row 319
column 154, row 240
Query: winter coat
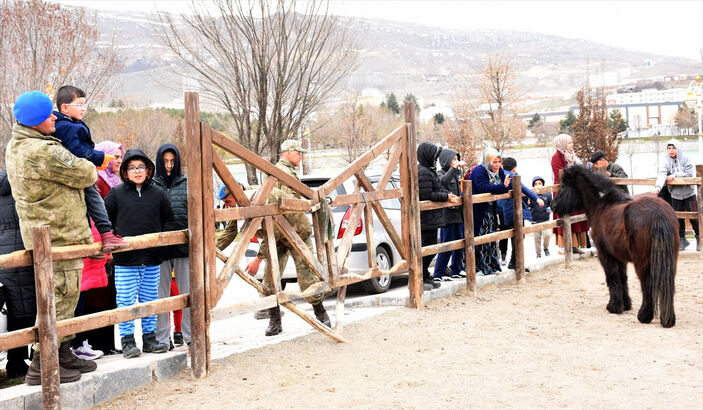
column 94, row 275
column 508, row 206
column 75, row 136
column 449, row 179
column 429, row 186
column 540, row 213
column 17, row 283
column 134, row 212
column 559, row 163
column 679, row 167
column 480, row 184
column 176, row 186
column 616, row 171
column 47, row 184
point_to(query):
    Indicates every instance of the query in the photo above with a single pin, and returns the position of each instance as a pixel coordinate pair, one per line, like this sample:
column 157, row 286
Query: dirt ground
column 547, row 342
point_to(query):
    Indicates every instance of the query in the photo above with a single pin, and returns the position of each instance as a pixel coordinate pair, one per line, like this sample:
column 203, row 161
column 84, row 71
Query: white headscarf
column 561, row 143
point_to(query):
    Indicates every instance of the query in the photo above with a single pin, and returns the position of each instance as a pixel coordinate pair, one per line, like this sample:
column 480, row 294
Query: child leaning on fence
column 138, row 207
column 540, row 213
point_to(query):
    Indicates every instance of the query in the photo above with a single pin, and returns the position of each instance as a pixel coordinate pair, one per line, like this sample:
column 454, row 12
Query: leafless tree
column 270, row 64
column 498, row 97
column 461, row 133
column 45, row 46
column 146, row 129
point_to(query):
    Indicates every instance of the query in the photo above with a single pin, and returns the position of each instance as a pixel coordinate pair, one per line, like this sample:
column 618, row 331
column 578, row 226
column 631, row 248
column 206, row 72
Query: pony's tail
column 662, row 269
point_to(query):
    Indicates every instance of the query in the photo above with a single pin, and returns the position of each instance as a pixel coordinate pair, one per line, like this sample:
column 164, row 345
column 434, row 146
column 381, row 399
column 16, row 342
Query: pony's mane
column 609, row 192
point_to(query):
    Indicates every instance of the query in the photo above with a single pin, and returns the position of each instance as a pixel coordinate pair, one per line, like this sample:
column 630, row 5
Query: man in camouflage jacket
column 47, row 183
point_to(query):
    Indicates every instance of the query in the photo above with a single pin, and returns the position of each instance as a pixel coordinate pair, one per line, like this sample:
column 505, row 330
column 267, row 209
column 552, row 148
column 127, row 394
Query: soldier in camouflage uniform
column 47, row 183
column 291, row 155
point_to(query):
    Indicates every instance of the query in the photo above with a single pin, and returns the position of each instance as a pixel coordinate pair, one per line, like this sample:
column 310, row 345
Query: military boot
column 69, row 360
column 275, row 326
column 321, row 314
column 33, row 377
column 151, row 345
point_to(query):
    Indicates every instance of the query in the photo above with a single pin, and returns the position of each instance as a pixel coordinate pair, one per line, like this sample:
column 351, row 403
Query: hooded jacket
column 429, row 186
column 449, row 180
column 508, row 207
column 75, row 136
column 679, row 167
column 17, row 283
column 540, row 213
column 176, row 187
column 138, row 212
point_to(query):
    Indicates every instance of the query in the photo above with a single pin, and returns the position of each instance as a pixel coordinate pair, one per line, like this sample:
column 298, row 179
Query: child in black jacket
column 137, row 207
column 541, row 214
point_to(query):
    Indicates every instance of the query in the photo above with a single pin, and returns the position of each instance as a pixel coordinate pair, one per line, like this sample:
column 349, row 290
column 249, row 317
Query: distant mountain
column 430, row 62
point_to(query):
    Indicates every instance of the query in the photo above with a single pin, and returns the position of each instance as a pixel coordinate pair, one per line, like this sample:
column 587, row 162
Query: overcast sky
column 662, row 27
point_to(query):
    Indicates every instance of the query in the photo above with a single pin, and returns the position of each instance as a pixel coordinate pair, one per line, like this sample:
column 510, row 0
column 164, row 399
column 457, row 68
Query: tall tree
column 391, row 103
column 616, row 122
column 565, row 125
column 270, row 64
column 438, row 118
column 590, row 130
column 461, row 134
column 499, row 94
column 534, row 121
column 45, row 46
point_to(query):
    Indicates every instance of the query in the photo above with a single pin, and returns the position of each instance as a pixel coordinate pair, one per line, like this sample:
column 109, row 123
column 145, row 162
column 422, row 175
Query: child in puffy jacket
column 540, row 213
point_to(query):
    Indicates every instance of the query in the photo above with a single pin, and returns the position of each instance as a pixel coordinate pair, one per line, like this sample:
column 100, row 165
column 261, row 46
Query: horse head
column 583, row 189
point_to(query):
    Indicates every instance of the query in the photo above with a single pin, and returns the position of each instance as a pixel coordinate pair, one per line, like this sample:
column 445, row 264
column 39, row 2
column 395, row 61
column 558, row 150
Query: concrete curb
column 114, row 376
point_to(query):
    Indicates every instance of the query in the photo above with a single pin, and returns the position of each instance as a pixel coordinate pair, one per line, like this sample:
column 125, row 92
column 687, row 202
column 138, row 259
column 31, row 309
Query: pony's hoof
column 669, row 323
column 628, row 304
column 614, row 309
column 646, row 317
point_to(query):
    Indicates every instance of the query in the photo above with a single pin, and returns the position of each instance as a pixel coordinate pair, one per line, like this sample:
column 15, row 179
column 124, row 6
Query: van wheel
column 381, row 283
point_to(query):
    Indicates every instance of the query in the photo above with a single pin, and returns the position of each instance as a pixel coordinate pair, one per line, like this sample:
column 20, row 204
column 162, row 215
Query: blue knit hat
column 32, row 108
column 223, row 192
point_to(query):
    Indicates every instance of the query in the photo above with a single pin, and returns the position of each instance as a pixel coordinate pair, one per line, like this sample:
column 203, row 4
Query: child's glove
column 107, row 160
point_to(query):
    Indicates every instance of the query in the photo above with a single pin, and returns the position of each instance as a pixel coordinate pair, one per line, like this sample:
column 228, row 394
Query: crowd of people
column 86, row 192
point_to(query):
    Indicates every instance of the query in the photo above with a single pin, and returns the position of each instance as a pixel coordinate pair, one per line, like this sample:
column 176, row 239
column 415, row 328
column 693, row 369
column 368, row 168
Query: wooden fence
column 328, row 262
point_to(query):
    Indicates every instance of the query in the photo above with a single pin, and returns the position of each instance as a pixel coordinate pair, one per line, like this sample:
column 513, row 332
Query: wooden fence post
column 46, row 317
column 411, row 214
column 568, row 244
column 699, row 174
column 518, row 242
column 469, row 250
column 196, row 257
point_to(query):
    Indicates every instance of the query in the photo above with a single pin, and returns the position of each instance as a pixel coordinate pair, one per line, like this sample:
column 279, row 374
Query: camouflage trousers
column 67, row 289
column 306, row 276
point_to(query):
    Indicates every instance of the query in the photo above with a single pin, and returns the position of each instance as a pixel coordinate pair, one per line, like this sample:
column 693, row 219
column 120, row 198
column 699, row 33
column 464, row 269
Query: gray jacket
column 679, row 167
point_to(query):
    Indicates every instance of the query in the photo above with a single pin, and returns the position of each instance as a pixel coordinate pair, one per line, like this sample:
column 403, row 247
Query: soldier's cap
column 292, row 145
column 32, row 108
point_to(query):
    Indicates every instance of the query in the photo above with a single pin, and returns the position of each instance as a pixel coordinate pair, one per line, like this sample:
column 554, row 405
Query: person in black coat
column 17, row 283
column 453, row 229
column 430, row 189
column 170, row 178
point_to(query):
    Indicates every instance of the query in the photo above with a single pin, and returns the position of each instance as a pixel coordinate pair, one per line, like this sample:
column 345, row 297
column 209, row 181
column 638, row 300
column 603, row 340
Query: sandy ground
column 546, row 342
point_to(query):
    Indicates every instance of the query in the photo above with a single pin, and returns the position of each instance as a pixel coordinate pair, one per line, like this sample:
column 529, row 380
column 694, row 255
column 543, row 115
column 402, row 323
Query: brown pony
column 643, row 231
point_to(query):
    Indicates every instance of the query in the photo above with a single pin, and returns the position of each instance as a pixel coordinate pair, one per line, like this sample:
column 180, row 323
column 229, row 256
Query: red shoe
column 112, row 242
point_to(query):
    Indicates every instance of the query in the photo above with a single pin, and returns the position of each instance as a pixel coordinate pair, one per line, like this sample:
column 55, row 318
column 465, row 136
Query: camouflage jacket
column 288, row 168
column 297, row 220
column 47, row 183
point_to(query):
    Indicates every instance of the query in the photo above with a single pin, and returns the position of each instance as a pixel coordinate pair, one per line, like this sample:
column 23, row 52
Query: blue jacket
column 75, row 136
column 541, row 213
column 507, row 205
column 480, row 185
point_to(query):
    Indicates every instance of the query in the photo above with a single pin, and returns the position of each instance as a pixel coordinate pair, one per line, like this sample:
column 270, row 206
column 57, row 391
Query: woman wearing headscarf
column 98, row 295
column 175, row 258
column 488, row 177
column 563, row 158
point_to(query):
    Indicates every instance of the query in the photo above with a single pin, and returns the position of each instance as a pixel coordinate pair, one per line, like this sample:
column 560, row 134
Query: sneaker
column 539, row 255
column 427, row 286
column 151, row 345
column 437, row 279
column 112, row 242
column 129, row 347
column 86, row 352
column 178, row 338
column 546, row 252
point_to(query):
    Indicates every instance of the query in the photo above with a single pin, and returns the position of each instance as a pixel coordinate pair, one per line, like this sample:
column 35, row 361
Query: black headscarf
column 161, row 169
